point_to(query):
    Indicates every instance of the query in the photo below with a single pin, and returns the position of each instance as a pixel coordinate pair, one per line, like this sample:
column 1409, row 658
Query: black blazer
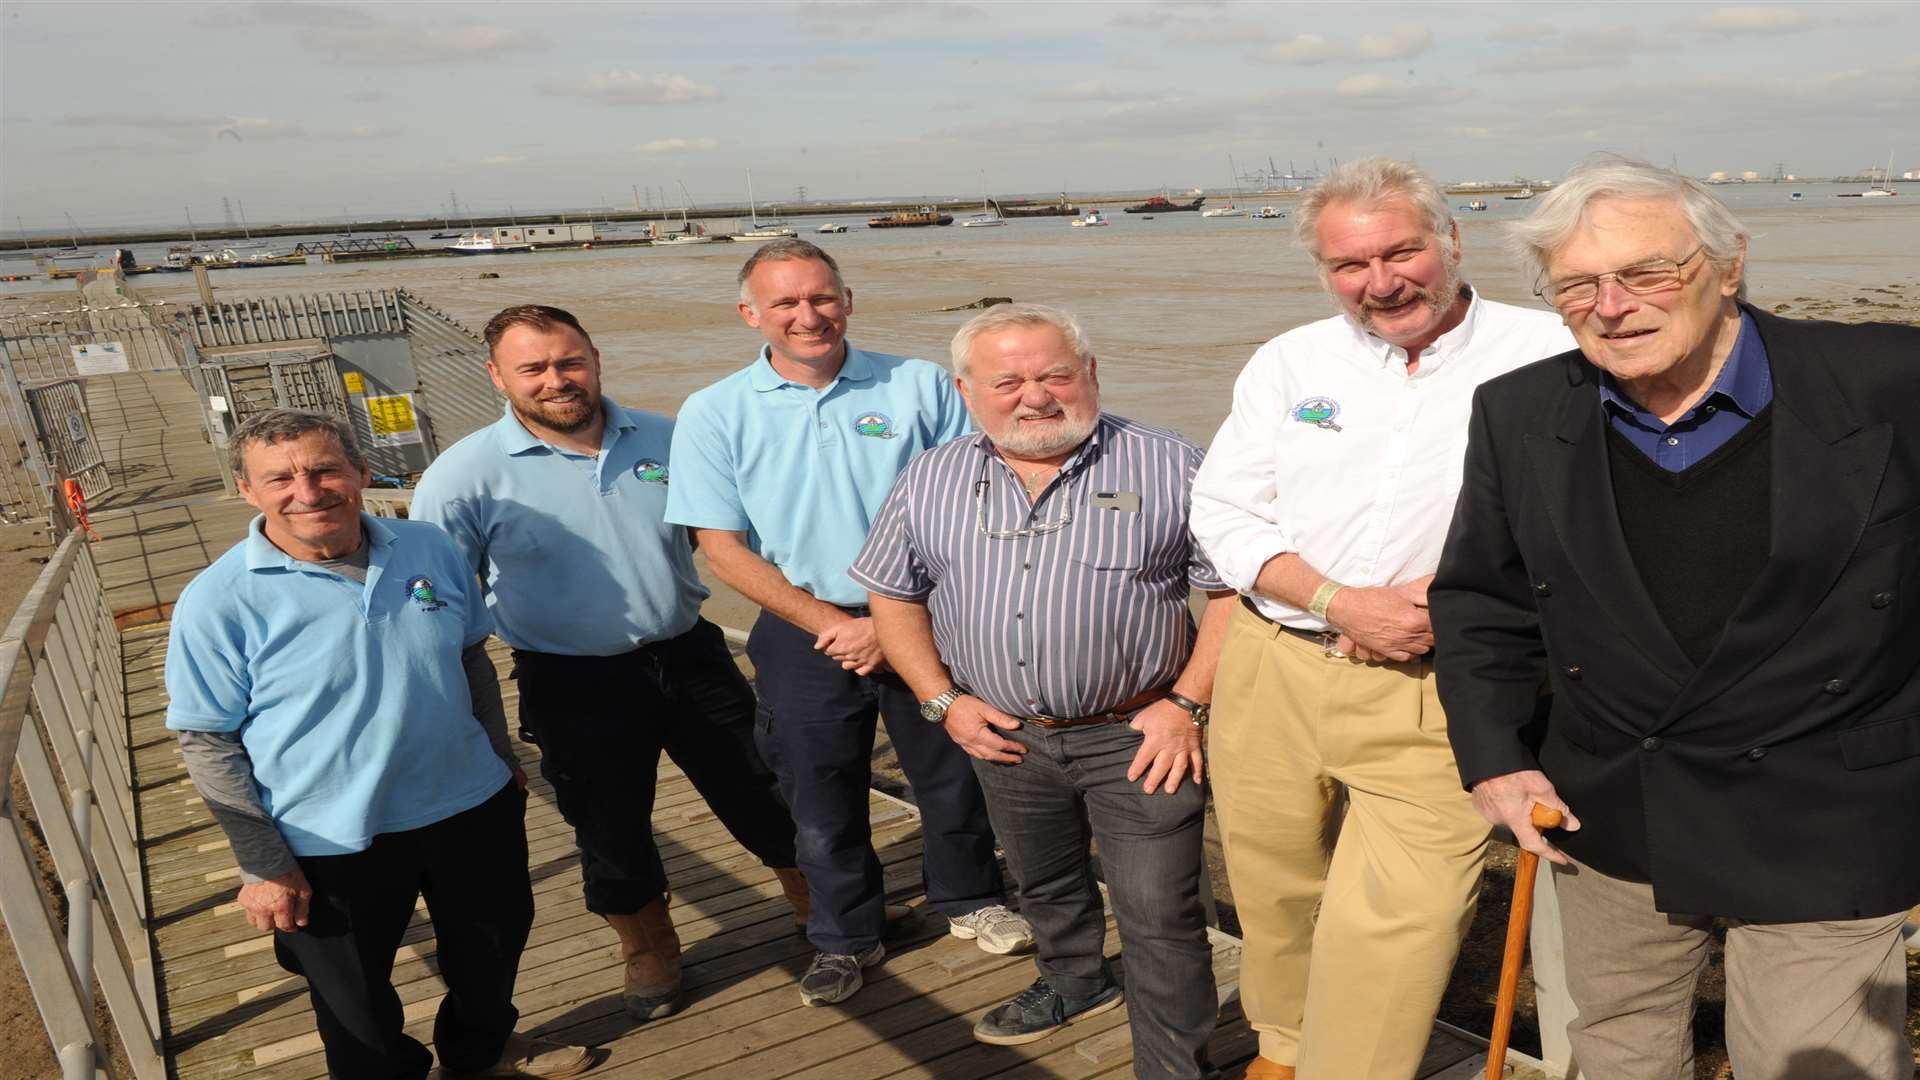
column 1779, row 780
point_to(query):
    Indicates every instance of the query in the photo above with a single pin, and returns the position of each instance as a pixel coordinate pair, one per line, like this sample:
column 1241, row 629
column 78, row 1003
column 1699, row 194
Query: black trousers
column 472, row 868
column 816, row 730
column 601, row 722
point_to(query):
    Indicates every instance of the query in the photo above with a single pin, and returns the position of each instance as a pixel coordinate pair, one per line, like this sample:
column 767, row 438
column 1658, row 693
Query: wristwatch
column 934, row 709
column 1199, row 710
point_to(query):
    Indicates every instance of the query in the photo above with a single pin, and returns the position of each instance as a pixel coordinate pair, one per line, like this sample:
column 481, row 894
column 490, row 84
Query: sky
column 129, row 114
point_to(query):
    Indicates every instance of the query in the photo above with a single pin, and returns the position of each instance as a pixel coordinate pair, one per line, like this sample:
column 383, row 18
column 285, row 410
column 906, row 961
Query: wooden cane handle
column 1545, row 817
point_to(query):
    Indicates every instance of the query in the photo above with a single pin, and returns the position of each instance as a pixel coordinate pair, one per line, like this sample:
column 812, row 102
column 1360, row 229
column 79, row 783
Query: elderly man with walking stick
column 1700, row 530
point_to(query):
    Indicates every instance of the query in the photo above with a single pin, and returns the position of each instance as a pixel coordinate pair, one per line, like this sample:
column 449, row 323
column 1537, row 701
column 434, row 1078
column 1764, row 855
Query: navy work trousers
column 816, row 729
column 601, row 722
column 472, row 868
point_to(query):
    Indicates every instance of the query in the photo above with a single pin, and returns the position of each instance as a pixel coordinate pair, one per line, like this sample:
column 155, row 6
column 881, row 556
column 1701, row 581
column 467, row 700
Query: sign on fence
column 392, row 421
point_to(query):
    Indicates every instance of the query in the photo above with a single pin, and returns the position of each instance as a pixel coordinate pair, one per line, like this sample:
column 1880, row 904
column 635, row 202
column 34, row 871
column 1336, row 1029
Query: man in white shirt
column 1325, row 499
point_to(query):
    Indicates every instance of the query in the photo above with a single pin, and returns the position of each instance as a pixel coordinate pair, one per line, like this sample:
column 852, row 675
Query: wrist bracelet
column 1322, row 598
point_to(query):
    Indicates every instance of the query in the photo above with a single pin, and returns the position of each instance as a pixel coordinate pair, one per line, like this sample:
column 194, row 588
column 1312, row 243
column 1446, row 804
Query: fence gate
column 66, row 431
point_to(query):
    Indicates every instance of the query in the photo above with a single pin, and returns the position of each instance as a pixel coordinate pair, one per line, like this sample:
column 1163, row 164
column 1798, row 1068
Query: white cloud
column 1219, row 35
column 1733, row 21
column 1403, row 41
column 1524, row 32
column 1602, row 48
column 838, row 66
column 667, row 146
column 502, row 159
column 1400, row 42
column 1302, row 49
column 383, row 43
column 1088, row 90
column 187, row 127
column 367, row 97
column 213, row 121
column 633, row 88
column 1469, row 132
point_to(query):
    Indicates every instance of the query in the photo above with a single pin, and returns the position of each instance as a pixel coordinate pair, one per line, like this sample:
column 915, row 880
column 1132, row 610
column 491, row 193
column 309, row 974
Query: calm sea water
column 1175, row 304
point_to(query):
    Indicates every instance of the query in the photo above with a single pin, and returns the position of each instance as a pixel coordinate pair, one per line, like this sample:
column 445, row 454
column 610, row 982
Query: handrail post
column 80, row 889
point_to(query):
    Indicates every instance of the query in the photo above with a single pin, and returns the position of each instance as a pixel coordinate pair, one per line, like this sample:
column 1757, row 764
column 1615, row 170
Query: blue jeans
column 815, row 729
column 1072, row 786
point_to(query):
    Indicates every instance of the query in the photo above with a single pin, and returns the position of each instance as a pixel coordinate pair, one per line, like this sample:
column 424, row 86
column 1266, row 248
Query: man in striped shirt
column 1031, row 584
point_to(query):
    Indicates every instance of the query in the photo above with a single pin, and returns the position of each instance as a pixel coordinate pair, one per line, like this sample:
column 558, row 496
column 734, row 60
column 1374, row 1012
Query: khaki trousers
column 1805, row 1001
column 1350, row 929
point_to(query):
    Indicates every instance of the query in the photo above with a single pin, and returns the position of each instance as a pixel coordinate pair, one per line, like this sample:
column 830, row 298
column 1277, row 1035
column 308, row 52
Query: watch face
column 932, row 711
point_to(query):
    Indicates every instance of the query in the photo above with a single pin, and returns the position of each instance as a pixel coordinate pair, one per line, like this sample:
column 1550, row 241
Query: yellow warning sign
column 356, row 384
column 392, row 421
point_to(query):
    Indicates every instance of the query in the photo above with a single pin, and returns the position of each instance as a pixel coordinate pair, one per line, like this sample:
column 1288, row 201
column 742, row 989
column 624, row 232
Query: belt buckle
column 1045, row 721
column 1329, row 639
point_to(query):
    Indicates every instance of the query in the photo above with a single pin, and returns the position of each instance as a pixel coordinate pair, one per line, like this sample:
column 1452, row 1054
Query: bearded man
column 558, row 507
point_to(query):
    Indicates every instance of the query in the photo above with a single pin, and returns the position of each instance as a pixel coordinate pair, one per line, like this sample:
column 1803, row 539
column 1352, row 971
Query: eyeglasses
column 1065, row 519
column 1652, row 276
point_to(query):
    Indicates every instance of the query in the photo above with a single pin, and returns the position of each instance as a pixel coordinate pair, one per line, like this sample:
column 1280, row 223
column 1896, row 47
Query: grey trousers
column 1071, row 787
column 1805, row 1001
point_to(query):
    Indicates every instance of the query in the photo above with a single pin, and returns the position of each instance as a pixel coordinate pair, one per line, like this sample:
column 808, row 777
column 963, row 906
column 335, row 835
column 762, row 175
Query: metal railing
column 64, row 728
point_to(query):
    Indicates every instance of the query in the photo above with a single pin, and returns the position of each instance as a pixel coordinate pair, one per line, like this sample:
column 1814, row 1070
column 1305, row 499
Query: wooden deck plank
column 230, row 1011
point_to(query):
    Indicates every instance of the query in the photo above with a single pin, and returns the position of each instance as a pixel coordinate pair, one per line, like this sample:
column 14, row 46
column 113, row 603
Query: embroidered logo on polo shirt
column 1318, row 411
column 874, row 426
column 649, row 471
column 420, row 590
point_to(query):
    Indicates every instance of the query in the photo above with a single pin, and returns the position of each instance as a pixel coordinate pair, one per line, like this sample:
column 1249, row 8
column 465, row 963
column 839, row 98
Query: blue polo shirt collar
column 263, row 555
column 857, row 367
column 1745, row 384
column 515, row 439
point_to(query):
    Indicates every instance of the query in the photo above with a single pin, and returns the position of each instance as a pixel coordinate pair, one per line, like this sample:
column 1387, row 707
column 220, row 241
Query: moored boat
column 831, row 227
column 911, row 219
column 1160, row 204
column 1269, row 212
column 1089, row 220
column 482, row 244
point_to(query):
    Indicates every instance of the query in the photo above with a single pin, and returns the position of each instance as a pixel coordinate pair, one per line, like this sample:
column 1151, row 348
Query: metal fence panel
column 66, row 432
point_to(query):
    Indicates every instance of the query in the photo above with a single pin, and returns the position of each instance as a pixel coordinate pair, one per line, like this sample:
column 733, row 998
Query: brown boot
column 652, row 952
column 1263, row 1069
column 794, row 884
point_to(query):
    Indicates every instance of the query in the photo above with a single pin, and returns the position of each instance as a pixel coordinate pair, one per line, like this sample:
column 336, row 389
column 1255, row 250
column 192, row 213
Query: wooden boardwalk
column 231, row 1011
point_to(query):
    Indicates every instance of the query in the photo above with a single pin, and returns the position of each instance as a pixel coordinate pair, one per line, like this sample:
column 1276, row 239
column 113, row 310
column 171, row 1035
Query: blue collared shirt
column 575, row 552
column 803, row 472
column 1744, row 387
column 350, row 699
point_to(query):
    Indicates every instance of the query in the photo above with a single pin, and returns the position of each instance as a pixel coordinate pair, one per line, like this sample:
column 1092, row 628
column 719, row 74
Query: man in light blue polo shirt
column 558, row 506
column 337, row 711
column 779, row 469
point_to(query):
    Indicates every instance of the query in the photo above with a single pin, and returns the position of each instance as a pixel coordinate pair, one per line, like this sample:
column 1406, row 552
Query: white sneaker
column 996, row 929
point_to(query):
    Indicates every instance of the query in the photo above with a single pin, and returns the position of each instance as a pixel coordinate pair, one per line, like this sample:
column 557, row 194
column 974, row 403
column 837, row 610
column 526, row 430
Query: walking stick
column 1519, row 920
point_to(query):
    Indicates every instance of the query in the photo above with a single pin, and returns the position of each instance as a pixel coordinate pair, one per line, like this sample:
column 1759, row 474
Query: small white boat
column 772, row 229
column 682, row 239
column 1089, row 220
column 831, row 227
column 1228, row 210
column 483, row 244
column 1269, row 212
column 1476, row 204
column 1796, row 196
column 1523, row 193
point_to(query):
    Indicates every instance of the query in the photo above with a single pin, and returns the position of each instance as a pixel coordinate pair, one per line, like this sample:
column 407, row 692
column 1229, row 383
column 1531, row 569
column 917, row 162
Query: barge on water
column 911, row 219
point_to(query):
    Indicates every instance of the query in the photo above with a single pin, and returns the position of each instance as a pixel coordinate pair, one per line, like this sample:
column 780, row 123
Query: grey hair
column 1002, row 316
column 1563, row 210
column 279, row 425
column 1369, row 181
column 784, row 250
